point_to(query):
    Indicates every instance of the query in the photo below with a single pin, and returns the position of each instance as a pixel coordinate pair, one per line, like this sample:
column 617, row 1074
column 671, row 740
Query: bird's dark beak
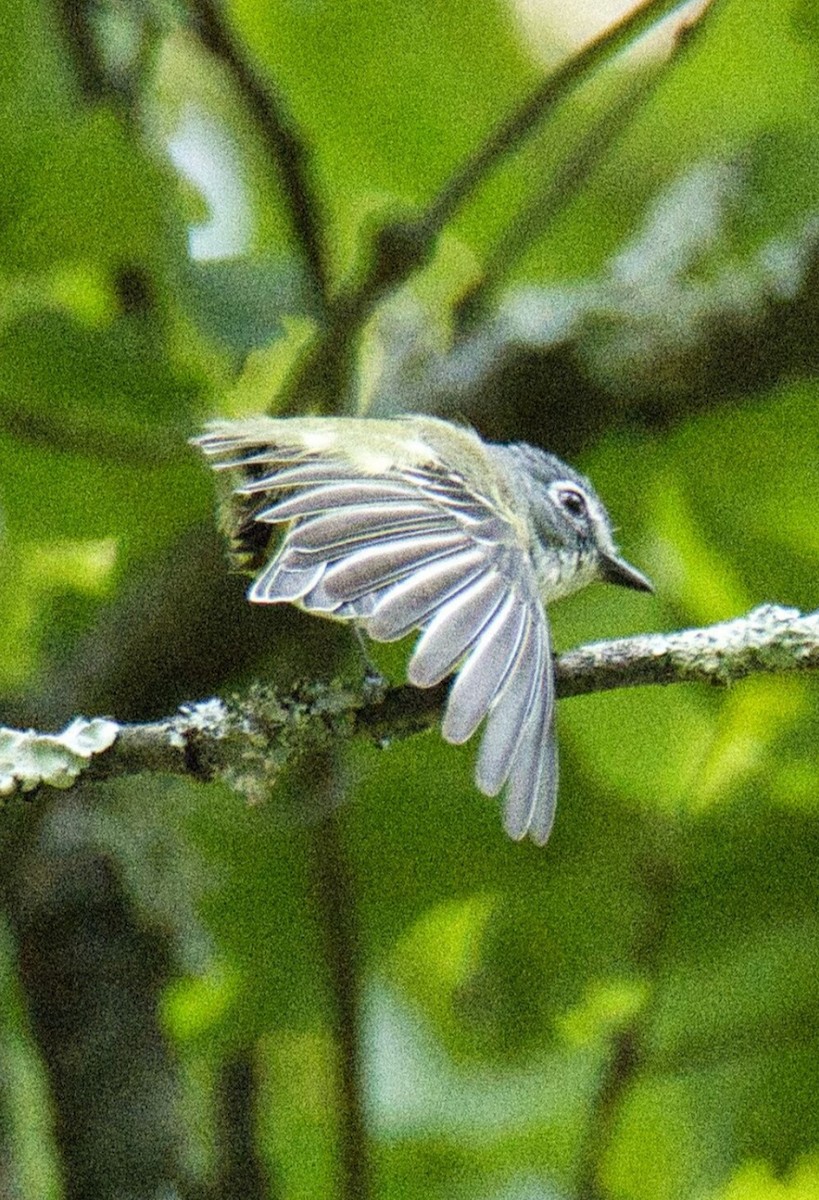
column 617, row 570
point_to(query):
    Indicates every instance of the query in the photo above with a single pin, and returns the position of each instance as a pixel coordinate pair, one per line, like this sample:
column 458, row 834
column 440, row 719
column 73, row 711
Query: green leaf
column 242, row 304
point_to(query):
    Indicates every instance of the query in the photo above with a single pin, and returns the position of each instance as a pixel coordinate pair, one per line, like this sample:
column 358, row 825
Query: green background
column 632, row 1011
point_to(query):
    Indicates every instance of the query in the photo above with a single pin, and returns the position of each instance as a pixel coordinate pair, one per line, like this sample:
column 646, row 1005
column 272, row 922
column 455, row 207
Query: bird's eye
column 573, row 501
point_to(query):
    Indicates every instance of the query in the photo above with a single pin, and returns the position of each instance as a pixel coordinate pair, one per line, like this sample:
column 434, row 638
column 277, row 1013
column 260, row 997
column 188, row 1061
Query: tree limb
column 247, row 740
column 524, row 121
column 334, row 893
column 770, row 639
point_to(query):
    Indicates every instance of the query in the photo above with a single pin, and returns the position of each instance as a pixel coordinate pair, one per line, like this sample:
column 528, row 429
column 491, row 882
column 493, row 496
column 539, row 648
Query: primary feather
column 386, row 534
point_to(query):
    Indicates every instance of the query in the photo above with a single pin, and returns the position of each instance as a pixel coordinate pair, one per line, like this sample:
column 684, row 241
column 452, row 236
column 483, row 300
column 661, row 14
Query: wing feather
column 430, row 534
column 467, row 563
column 454, row 629
column 299, row 475
column 342, row 526
column 278, row 583
column 414, row 600
column 512, row 703
column 344, row 494
column 382, row 561
column 222, row 445
column 544, row 813
column 529, row 786
column 474, row 688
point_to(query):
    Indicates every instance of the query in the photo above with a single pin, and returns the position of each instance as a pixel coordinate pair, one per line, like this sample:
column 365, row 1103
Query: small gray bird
column 414, row 523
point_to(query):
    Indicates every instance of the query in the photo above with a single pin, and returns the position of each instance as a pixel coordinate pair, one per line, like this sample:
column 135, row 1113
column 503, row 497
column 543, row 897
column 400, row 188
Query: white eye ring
column 573, row 501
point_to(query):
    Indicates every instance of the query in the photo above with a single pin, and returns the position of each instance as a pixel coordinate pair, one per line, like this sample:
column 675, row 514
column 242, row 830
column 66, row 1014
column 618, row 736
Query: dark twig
column 93, row 80
column 627, row 1052
column 593, row 146
column 563, row 186
column 286, row 149
column 100, row 76
column 335, row 899
column 616, row 1077
column 77, row 433
column 241, row 1175
column 522, row 123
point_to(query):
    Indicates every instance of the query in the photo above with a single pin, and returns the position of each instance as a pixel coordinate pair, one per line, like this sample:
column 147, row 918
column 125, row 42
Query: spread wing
column 398, row 548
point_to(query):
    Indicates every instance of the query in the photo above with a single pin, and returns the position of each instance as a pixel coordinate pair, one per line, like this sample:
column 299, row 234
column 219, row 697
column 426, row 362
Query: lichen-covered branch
column 247, row 741
column 770, row 639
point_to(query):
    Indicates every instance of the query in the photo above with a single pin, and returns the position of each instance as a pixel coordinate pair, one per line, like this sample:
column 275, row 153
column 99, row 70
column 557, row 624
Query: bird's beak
column 617, row 570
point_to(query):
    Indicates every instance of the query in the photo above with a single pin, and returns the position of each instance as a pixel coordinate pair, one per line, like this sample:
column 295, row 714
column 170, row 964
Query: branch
column 78, row 433
column 521, row 124
column 75, row 21
column 606, row 340
column 239, row 1169
column 248, row 740
column 404, row 247
column 93, row 963
column 659, row 879
column 287, row 151
column 770, row 639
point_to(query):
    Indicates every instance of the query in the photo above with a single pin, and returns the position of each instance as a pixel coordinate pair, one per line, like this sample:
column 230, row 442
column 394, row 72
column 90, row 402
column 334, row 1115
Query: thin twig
column 659, row 881
column 522, row 123
column 99, row 77
column 562, row 188
column 287, row 150
column 93, row 80
column 594, row 145
column 76, row 433
column 239, row 1169
column 616, row 1077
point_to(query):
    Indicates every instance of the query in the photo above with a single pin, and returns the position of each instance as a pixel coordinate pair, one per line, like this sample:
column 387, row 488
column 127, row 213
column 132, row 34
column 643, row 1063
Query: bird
column 416, row 524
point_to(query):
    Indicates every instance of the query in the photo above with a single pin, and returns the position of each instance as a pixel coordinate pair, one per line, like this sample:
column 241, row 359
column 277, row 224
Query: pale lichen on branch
column 770, row 639
column 246, row 741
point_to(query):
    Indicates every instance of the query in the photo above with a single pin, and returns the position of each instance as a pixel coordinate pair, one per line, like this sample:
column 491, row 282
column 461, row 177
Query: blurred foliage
column 663, row 328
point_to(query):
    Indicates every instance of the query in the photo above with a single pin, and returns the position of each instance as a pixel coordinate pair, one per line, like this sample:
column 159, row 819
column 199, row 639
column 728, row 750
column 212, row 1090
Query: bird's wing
column 401, row 547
